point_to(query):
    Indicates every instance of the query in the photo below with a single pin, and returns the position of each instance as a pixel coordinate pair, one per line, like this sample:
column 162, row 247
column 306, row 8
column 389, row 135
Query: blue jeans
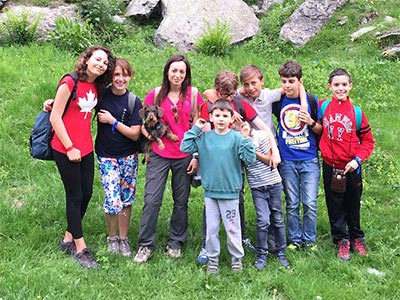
column 268, row 204
column 300, row 180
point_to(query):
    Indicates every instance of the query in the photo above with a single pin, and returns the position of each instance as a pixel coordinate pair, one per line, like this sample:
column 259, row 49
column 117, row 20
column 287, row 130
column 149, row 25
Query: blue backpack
column 357, row 111
column 42, row 132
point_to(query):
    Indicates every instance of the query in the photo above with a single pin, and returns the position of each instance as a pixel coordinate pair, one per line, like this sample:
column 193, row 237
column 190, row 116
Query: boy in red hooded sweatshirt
column 346, row 142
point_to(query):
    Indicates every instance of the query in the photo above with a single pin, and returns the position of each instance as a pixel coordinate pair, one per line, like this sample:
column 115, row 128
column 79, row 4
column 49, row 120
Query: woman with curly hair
column 72, row 143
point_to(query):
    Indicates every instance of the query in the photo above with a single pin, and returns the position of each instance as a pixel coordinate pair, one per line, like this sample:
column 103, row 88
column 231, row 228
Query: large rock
column 185, row 21
column 47, row 15
column 308, row 19
column 141, row 8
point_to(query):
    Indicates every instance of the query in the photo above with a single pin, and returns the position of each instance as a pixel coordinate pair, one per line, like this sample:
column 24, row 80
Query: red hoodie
column 339, row 142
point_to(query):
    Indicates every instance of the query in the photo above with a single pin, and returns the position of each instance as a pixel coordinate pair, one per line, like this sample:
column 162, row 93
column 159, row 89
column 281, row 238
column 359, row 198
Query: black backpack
column 312, row 101
column 42, row 132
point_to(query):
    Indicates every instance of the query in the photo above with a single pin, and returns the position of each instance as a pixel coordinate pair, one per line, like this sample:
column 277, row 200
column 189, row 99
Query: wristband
column 114, row 125
column 359, row 161
column 313, row 124
column 70, row 148
column 195, row 155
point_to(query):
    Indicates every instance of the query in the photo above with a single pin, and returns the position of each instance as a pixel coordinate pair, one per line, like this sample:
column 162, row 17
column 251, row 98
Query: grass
column 32, row 205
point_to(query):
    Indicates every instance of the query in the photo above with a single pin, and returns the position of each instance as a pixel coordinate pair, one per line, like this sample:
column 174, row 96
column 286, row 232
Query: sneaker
column 358, row 246
column 174, row 253
column 202, row 257
column 310, row 246
column 86, row 259
column 294, row 246
column 344, row 250
column 260, row 262
column 236, row 264
column 281, row 256
column 247, row 243
column 124, row 247
column 113, row 244
column 67, row 247
column 142, row 255
column 212, row 266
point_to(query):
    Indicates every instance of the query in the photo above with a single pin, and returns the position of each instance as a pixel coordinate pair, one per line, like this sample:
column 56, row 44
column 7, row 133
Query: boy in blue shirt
column 221, row 152
column 266, row 189
column 299, row 167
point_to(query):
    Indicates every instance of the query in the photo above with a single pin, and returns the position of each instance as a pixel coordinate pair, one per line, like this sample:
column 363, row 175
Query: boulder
column 185, row 20
column 308, row 19
column 141, row 8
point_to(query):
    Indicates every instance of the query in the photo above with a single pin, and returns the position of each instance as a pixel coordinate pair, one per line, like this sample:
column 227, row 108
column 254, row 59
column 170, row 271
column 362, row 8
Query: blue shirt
column 296, row 141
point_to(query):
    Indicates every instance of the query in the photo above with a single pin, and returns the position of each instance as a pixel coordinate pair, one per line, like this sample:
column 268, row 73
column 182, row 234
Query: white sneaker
column 142, row 255
column 174, row 253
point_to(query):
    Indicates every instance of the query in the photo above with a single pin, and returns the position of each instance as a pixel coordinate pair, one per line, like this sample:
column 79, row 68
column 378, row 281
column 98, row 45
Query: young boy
column 299, row 151
column 261, row 99
column 266, row 189
column 221, row 152
column 344, row 148
column 225, row 86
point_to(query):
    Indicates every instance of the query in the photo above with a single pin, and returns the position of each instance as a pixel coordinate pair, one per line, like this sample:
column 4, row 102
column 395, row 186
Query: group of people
column 226, row 139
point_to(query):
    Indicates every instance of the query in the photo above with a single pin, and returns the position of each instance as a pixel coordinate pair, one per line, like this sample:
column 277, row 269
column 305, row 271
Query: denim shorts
column 118, row 176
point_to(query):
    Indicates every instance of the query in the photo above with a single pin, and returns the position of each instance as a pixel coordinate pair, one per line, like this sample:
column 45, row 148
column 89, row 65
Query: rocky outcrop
column 141, row 8
column 182, row 29
column 308, row 20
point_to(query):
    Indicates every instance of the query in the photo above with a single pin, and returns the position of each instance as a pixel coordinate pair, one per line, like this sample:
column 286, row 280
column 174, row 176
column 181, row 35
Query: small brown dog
column 155, row 128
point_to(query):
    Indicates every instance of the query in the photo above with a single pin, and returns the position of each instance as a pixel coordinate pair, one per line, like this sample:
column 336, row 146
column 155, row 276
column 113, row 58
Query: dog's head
column 151, row 114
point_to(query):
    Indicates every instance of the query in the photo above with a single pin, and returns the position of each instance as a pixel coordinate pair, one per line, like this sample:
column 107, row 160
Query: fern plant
column 74, row 36
column 216, row 40
column 18, row 29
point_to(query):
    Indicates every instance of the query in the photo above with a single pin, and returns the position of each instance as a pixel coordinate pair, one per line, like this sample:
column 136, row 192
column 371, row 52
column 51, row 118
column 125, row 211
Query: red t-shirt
column 78, row 116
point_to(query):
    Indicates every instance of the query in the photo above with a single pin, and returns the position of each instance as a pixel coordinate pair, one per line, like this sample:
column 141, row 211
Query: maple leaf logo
column 87, row 103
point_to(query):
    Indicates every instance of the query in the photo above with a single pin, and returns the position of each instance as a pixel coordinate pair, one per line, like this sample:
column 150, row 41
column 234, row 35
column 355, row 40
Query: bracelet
column 313, row 124
column 114, row 125
column 195, row 155
column 70, row 148
column 358, row 160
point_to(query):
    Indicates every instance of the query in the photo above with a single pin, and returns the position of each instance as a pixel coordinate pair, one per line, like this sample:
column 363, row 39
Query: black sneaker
column 86, row 259
column 281, row 256
column 67, row 247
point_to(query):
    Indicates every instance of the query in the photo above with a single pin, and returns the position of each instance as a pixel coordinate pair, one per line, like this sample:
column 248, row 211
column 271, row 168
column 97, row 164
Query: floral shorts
column 118, row 176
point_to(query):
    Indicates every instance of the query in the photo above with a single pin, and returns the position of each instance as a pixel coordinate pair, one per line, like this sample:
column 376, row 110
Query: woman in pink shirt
column 175, row 98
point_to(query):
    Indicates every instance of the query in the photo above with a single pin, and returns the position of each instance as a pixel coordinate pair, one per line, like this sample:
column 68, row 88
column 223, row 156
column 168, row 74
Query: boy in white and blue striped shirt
column 266, row 189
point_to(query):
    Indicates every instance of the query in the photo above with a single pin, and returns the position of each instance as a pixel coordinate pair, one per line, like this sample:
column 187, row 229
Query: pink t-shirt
column 77, row 117
column 172, row 149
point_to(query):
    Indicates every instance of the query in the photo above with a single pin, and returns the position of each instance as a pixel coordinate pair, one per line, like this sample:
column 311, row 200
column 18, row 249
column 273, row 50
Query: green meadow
column 32, row 200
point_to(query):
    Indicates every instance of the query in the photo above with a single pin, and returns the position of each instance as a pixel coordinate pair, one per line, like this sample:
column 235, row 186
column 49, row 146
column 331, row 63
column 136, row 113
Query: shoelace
column 360, row 247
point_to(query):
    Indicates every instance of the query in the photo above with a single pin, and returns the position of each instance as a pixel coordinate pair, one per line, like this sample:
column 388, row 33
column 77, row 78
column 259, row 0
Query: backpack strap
column 324, row 105
column 72, row 96
column 357, row 111
column 156, row 92
column 312, row 101
column 237, row 99
column 131, row 102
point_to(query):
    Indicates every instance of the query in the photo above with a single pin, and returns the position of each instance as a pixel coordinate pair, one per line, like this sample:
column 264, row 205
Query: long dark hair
column 102, row 81
column 166, row 85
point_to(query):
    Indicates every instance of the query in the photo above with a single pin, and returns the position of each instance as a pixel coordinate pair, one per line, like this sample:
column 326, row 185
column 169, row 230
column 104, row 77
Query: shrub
column 72, row 35
column 100, row 14
column 216, row 40
column 18, row 30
